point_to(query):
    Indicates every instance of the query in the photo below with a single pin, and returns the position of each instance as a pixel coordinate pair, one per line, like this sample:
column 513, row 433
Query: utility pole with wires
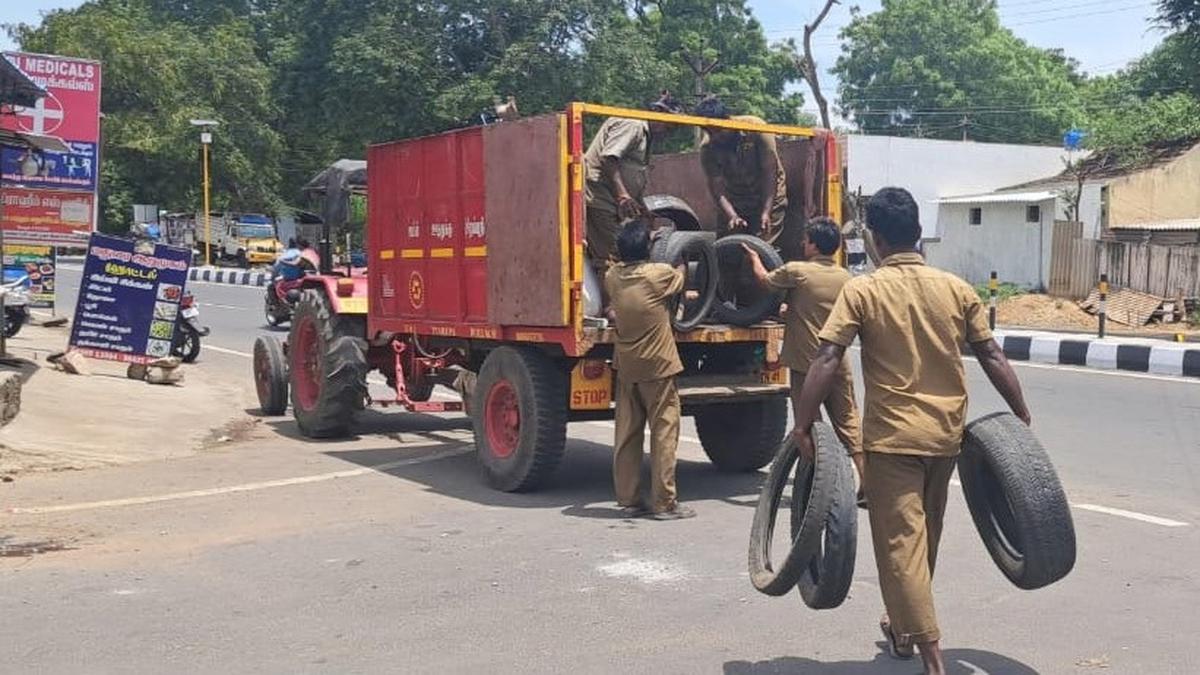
column 701, row 67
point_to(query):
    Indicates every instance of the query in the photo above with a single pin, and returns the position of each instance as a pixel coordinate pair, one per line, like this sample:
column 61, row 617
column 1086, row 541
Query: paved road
column 386, row 553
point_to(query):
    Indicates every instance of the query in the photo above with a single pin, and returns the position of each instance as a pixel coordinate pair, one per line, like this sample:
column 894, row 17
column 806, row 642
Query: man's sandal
column 898, row 647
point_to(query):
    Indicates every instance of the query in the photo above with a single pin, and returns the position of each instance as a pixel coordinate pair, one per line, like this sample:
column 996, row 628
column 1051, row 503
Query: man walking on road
column 745, row 174
column 812, row 288
column 910, row 319
column 616, row 164
column 646, row 360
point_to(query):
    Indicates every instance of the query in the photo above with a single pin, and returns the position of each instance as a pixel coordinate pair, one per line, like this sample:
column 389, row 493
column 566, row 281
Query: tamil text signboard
column 71, row 111
column 129, row 299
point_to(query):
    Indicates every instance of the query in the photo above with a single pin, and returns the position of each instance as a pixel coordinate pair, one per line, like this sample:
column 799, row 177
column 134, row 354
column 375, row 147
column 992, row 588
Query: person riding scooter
column 284, row 289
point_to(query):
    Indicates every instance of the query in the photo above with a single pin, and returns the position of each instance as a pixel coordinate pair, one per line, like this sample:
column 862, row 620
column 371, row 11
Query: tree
column 807, row 65
column 1180, row 15
column 948, row 69
column 157, row 77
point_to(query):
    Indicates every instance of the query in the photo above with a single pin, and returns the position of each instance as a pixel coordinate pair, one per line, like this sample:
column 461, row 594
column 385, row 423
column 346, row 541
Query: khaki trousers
column 637, row 402
column 907, row 497
column 840, row 406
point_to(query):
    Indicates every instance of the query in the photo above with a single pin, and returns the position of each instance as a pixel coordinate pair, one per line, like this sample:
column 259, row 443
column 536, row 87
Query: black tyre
column 1016, row 500
column 276, row 313
column 327, row 367
column 519, row 414
column 674, row 209
column 741, row 301
column 694, row 249
column 817, row 497
column 744, row 436
column 826, row 581
column 187, row 343
column 270, row 375
column 13, row 320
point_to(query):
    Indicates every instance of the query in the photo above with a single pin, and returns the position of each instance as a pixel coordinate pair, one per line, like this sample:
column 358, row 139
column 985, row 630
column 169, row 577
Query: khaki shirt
column 639, row 294
column 740, row 166
column 812, row 288
column 629, row 142
column 911, row 320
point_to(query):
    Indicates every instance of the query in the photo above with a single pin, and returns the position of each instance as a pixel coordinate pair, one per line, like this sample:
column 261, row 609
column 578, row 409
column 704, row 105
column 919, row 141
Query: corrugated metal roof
column 1000, row 198
column 1182, row 225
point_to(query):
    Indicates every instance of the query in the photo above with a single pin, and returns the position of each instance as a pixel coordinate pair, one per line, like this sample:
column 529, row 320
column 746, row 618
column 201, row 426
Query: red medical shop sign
column 71, row 108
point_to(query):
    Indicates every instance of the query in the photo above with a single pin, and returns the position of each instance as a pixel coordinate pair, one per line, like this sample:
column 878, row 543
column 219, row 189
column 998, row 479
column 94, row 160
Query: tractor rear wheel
column 519, row 414
column 328, row 364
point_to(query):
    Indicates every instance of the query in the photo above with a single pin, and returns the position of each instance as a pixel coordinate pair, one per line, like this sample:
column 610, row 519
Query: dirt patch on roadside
column 1034, row 310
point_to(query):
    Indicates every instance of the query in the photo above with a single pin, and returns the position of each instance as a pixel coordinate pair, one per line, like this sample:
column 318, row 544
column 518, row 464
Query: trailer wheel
column 519, row 414
column 328, row 364
column 270, row 375
column 744, row 436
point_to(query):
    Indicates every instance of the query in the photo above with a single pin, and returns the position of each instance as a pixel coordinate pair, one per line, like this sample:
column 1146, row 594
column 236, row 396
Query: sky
column 1103, row 35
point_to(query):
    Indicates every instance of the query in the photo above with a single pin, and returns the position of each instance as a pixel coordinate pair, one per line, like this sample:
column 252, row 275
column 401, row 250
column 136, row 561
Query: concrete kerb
column 216, row 275
column 1131, row 354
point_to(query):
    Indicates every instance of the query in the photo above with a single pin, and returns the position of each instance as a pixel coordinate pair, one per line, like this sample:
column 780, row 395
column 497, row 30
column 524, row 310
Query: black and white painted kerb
column 234, row 277
column 1143, row 356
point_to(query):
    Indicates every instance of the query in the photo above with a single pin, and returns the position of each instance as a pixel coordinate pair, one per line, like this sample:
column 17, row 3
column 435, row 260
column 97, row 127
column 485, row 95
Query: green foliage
column 1182, row 15
column 931, row 68
column 1003, row 292
column 157, row 77
column 1131, row 124
column 300, row 83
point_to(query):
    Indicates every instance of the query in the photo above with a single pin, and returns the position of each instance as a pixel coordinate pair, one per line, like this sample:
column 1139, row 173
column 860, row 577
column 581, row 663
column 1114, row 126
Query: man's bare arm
column 1000, row 372
column 817, row 387
column 610, row 170
column 756, row 265
column 716, row 187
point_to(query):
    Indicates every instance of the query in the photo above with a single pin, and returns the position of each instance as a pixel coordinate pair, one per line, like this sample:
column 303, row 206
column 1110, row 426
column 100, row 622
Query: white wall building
column 933, row 169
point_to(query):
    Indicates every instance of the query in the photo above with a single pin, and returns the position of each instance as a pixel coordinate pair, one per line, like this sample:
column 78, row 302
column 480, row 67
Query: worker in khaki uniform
column 616, row 165
column 911, row 320
column 745, row 174
column 812, row 287
column 646, row 360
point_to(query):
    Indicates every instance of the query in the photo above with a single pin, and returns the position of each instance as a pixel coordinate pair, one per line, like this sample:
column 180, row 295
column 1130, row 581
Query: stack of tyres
column 695, row 251
column 824, row 524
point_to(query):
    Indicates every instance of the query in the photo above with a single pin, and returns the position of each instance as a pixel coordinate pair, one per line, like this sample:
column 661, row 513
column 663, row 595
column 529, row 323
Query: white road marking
column 246, row 487
column 232, row 352
column 613, row 425
column 214, row 305
column 1120, row 513
column 1132, row 515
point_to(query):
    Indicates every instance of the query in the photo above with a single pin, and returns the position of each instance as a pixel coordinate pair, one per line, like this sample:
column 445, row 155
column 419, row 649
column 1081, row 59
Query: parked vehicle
column 188, row 330
column 244, row 239
column 16, row 305
column 476, row 281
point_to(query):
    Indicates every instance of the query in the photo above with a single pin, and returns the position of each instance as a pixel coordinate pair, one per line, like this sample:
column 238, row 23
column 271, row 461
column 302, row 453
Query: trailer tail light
column 593, row 370
column 345, row 288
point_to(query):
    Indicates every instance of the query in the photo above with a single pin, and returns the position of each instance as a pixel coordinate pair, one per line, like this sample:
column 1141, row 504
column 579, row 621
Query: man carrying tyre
column 745, row 174
column 910, row 320
column 812, row 287
column 646, row 361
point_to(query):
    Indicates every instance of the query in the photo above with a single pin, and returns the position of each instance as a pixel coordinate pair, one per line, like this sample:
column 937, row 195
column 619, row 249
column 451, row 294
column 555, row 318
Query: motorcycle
column 280, row 301
column 16, row 305
column 188, row 330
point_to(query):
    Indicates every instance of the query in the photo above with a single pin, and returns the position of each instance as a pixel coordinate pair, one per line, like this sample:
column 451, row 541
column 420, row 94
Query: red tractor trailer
column 476, row 280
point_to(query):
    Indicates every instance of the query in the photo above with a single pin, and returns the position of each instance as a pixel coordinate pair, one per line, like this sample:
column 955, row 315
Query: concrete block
column 74, row 363
column 10, row 397
column 136, row 371
column 160, row 375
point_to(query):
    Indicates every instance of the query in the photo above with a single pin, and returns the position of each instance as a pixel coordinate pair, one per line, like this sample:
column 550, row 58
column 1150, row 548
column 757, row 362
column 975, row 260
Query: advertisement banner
column 30, row 167
column 52, row 217
column 129, row 299
column 36, row 264
column 71, row 111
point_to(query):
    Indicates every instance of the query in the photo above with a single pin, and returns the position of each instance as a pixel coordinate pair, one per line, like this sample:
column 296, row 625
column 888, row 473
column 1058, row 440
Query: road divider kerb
column 1122, row 354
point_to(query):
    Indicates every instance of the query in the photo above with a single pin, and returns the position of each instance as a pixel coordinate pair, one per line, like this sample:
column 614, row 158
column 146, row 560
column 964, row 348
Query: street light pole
column 205, row 141
column 206, row 127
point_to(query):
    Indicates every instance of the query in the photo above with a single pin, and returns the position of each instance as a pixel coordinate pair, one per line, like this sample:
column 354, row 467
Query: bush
column 1004, row 292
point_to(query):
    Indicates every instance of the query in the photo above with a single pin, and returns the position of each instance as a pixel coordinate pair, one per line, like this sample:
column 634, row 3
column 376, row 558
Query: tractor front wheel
column 328, row 365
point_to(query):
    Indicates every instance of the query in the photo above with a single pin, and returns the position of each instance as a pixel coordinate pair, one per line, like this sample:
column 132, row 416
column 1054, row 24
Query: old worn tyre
column 1016, row 500
column 741, row 300
column 674, row 209
column 816, row 496
column 270, row 375
column 328, row 367
column 695, row 249
column 826, row 581
column 743, row 436
column 519, row 415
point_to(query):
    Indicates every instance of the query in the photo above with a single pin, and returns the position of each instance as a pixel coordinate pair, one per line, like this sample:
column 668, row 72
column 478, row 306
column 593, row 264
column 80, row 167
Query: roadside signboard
column 37, row 263
column 71, row 111
column 129, row 299
column 51, row 217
